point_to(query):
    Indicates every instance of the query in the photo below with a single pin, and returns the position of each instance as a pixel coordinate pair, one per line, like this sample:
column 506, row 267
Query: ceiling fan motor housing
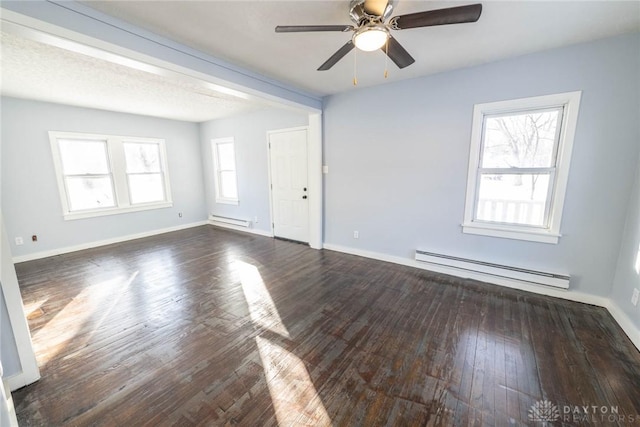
column 360, row 15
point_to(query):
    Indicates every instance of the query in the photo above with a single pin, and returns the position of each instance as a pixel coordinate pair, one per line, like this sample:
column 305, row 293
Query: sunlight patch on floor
column 262, row 310
column 294, row 397
column 32, row 310
column 92, row 298
column 115, row 297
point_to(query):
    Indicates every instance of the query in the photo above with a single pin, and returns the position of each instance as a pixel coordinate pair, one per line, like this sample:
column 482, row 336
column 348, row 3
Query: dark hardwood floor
column 213, row 327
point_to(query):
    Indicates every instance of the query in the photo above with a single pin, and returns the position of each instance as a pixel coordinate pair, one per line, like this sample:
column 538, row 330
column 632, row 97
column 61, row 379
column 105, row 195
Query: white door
column 289, row 188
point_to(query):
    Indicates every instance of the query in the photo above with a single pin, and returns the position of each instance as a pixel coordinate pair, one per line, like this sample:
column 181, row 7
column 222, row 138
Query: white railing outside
column 527, row 212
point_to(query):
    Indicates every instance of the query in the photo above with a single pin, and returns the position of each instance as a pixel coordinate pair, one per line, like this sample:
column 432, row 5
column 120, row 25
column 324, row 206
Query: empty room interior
column 320, row 213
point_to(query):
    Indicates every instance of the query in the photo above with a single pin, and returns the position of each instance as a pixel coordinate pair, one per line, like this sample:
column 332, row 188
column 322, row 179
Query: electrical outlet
column 634, row 297
column 356, row 234
column 255, row 219
column 19, row 241
column 179, row 214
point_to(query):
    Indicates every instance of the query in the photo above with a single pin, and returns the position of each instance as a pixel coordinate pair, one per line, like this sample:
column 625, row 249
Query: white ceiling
column 242, row 32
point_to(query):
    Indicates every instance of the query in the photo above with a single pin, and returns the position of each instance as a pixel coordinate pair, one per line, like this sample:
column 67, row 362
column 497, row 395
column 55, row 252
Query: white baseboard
column 7, row 410
column 240, row 228
column 21, row 379
column 618, row 314
column 95, row 244
column 625, row 323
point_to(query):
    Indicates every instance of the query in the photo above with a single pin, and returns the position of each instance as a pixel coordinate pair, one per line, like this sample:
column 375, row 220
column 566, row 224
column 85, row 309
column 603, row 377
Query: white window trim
column 216, row 170
column 117, row 165
column 571, row 103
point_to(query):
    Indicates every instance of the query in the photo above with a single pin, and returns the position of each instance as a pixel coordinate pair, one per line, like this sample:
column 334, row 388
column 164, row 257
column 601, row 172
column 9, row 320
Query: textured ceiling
column 242, row 32
column 33, row 70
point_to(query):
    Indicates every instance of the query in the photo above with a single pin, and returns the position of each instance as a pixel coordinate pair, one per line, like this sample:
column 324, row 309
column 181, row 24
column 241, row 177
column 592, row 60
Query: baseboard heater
column 495, row 270
column 230, row 221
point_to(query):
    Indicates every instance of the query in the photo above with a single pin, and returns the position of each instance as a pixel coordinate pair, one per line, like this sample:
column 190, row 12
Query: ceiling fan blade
column 337, row 56
column 430, row 18
column 397, row 53
column 375, row 7
column 306, row 28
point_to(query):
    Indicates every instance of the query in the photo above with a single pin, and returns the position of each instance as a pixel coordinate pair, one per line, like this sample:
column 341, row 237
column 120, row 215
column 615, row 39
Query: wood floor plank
column 211, row 327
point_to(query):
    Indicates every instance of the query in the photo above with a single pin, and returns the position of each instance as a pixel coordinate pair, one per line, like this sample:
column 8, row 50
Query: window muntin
column 518, row 167
column 224, row 161
column 106, row 174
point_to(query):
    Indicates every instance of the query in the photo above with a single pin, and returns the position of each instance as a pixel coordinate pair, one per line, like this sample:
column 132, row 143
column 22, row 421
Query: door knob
column 304, row 189
column 304, row 197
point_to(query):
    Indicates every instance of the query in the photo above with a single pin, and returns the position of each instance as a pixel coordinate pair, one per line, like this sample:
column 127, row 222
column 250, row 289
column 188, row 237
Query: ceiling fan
column 372, row 33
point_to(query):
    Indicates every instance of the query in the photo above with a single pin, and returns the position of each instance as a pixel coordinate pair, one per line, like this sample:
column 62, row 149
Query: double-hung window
column 224, row 163
column 519, row 165
column 106, row 174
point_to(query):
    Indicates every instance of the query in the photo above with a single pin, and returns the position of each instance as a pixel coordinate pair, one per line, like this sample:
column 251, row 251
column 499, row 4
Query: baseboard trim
column 21, row 379
column 98, row 243
column 240, row 228
column 616, row 312
column 625, row 322
column 10, row 410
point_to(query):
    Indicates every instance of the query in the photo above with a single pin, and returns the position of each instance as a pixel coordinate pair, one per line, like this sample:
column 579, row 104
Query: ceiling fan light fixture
column 371, row 37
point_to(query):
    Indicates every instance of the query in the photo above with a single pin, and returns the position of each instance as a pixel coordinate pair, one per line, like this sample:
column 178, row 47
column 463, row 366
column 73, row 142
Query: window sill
column 507, row 232
column 228, row 201
column 115, row 211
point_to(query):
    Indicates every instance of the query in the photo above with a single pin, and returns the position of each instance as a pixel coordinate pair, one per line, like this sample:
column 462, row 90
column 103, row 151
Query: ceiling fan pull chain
column 355, row 68
column 386, row 60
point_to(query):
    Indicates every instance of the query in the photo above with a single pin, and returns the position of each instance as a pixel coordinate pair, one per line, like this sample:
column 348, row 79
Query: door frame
column 314, row 176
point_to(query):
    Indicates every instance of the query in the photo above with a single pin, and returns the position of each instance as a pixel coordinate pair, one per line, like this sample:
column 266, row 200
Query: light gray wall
column 398, row 154
column 627, row 277
column 30, row 198
column 250, row 135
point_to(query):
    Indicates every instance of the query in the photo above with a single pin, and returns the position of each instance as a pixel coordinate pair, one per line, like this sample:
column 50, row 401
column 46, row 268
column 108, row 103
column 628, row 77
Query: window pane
column 89, row 193
column 522, row 140
column 226, row 157
column 146, row 188
column 513, row 199
column 228, row 186
column 142, row 157
column 83, row 157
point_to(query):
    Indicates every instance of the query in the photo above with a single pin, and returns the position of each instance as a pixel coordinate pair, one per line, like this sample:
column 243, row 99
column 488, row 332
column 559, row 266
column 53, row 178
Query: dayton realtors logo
column 545, row 412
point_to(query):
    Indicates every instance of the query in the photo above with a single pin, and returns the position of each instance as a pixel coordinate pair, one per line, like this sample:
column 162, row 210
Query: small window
column 106, row 174
column 519, row 165
column 224, row 161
